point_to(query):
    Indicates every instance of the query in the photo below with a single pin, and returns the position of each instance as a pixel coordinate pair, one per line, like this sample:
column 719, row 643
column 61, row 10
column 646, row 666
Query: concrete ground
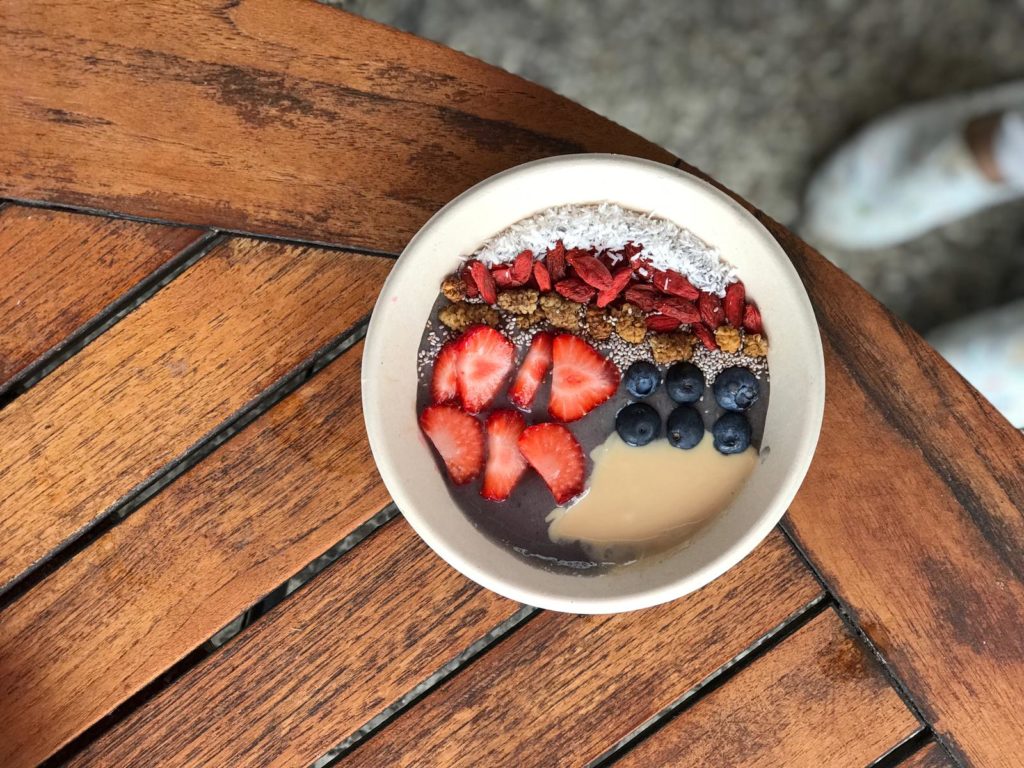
column 756, row 94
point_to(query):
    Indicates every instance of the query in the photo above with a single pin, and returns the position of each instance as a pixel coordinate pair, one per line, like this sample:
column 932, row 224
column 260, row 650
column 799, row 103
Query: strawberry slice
column 505, row 464
column 444, row 386
column 458, row 438
column 531, row 372
column 522, row 268
column 485, row 359
column 542, row 276
column 752, row 319
column 735, row 295
column 620, row 279
column 581, row 378
column 711, row 312
column 483, row 280
column 552, row 450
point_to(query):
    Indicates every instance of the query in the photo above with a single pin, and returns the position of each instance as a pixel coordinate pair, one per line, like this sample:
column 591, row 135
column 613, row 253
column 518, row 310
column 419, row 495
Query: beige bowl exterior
column 389, row 383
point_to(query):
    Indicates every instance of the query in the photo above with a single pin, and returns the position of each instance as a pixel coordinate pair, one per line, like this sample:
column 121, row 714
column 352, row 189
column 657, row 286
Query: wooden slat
column 932, row 756
column 316, row 668
column 277, row 117
column 815, row 700
column 147, row 593
column 164, row 377
column 58, row 270
column 912, row 512
column 566, row 688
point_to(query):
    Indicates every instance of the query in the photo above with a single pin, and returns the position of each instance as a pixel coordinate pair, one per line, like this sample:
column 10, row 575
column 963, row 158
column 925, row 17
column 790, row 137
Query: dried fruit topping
column 682, row 310
column 483, row 280
column 453, row 288
column 542, row 276
column 581, row 378
column 502, row 275
column 673, row 284
column 599, row 325
column 702, row 332
column 458, row 438
column 460, row 315
column 556, row 261
column 735, row 296
column 669, row 348
column 519, row 301
column 710, row 307
column 755, row 345
column 590, row 270
column 444, row 387
column 620, row 279
column 522, row 268
column 505, row 464
column 485, row 360
column 643, row 269
column 560, row 312
column 630, row 249
column 662, row 323
column 531, row 372
column 467, row 280
column 644, row 296
column 552, row 450
column 752, row 319
column 575, row 289
column 728, row 338
column 630, row 323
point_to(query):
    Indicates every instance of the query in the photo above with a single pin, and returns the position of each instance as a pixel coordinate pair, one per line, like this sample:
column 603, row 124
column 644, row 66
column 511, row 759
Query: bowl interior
column 389, row 377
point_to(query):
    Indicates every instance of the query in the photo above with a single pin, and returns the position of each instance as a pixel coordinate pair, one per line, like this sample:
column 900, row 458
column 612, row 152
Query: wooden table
column 202, row 201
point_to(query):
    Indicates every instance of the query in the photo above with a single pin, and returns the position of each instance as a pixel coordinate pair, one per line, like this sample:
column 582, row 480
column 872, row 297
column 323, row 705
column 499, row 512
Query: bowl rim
column 375, row 348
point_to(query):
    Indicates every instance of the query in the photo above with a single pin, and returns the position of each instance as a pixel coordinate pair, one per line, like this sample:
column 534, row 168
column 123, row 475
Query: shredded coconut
column 607, row 226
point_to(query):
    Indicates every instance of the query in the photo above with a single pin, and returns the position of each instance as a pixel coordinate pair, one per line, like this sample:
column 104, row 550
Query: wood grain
column 815, row 700
column 565, row 688
column 58, row 270
column 316, row 668
column 932, row 756
column 164, row 377
column 283, row 118
column 245, row 519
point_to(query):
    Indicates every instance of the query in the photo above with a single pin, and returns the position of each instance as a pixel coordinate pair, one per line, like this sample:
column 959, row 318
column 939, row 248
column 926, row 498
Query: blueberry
column 732, row 433
column 684, row 383
column 736, row 389
column 685, row 427
column 638, row 424
column 642, row 378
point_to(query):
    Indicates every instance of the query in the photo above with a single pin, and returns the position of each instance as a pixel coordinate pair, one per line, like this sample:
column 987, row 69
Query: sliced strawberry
column 552, row 450
column 542, row 276
column 522, row 268
column 752, row 319
column 485, row 359
column 502, row 276
column 644, row 296
column 467, row 278
column 505, row 464
column 661, row 323
column 620, row 279
column 532, row 371
column 674, row 284
column 702, row 332
column 735, row 295
column 682, row 310
column 581, row 378
column 444, row 385
column 483, row 280
column 711, row 312
column 575, row 289
column 556, row 261
column 458, row 438
column 590, row 270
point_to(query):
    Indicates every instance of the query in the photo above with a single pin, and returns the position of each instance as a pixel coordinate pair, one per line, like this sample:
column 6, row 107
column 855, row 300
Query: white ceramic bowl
column 404, row 457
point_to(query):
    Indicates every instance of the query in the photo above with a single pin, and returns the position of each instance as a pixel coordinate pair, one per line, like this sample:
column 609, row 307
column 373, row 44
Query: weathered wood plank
column 154, row 588
column 566, row 688
column 316, row 668
column 58, row 270
column 815, row 700
column 162, row 378
column 361, row 132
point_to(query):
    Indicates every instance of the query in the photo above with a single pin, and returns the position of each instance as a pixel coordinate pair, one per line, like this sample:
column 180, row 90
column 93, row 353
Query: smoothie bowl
column 593, row 383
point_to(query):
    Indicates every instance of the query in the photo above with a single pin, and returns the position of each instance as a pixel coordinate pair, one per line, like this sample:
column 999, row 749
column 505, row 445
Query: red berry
column 531, row 372
column 575, row 289
column 702, row 332
column 735, row 295
column 662, row 323
column 552, row 450
column 590, row 270
column 467, row 279
column 581, row 378
column 710, row 307
column 682, row 310
column 556, row 261
column 522, row 268
column 673, row 284
column 458, row 438
column 644, row 296
column 485, row 360
column 620, row 279
column 484, row 281
column 502, row 276
column 752, row 319
column 505, row 464
column 542, row 276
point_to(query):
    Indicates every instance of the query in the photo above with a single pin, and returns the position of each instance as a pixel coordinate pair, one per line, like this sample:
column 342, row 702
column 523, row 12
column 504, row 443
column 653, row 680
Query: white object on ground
column 911, row 171
column 988, row 350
